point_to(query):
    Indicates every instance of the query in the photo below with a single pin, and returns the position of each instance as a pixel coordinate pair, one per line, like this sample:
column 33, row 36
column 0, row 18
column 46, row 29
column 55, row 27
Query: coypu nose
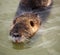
column 16, row 35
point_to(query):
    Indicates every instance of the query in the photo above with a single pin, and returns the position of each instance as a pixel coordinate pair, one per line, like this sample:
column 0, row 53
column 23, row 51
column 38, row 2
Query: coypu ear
column 39, row 18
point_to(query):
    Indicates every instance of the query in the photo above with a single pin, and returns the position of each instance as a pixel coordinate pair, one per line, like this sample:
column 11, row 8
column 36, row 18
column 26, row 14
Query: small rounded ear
column 39, row 18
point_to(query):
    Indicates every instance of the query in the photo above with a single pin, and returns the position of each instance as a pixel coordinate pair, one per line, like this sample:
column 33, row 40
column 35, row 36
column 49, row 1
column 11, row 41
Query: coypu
column 24, row 27
column 27, row 20
column 34, row 4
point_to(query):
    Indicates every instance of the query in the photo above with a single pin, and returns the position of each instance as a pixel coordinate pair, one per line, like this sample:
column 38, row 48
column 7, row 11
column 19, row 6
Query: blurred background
column 45, row 42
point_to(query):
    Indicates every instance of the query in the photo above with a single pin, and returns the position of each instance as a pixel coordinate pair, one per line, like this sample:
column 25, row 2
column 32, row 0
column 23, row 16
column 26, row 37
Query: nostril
column 15, row 35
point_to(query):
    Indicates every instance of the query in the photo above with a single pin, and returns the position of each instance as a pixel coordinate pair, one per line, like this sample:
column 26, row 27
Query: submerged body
column 28, row 19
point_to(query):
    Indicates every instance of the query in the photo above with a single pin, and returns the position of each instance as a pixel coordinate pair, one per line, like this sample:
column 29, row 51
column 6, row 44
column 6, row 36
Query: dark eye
column 32, row 23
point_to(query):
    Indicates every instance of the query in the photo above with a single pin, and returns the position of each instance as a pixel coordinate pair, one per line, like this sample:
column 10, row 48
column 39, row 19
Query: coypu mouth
column 24, row 27
column 18, row 39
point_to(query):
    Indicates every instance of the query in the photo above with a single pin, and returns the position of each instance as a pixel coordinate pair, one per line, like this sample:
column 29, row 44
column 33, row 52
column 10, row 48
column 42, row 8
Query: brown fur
column 26, row 25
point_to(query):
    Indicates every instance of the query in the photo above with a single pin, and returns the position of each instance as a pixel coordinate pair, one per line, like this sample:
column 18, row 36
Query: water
column 48, row 37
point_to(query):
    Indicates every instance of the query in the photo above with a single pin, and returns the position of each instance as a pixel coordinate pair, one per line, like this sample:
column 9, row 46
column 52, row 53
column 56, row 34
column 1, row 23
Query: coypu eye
column 31, row 23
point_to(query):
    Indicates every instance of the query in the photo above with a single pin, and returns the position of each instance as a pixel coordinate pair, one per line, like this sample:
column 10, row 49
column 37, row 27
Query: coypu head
column 24, row 27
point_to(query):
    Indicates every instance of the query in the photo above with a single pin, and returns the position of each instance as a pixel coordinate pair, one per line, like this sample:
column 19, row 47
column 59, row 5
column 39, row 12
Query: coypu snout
column 24, row 27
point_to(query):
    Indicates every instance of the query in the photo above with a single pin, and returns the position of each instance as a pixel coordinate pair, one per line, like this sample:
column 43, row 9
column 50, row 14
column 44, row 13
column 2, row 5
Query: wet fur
column 27, row 10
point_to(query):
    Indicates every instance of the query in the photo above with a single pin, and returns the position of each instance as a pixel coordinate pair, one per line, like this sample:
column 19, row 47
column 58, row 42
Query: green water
column 48, row 37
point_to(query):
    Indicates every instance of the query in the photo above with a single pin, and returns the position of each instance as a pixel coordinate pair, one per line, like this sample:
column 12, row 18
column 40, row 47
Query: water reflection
column 20, row 46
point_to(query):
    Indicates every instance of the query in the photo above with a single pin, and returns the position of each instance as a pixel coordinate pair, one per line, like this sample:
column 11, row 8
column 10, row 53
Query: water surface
column 48, row 36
